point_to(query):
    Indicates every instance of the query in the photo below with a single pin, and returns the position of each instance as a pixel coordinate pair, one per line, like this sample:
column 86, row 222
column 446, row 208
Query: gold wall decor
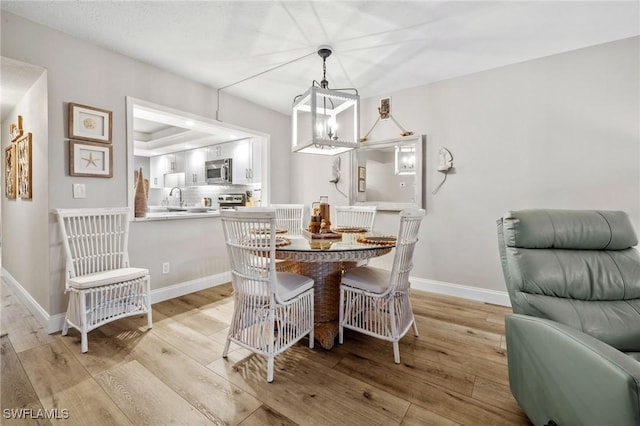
column 16, row 130
column 10, row 171
column 24, row 167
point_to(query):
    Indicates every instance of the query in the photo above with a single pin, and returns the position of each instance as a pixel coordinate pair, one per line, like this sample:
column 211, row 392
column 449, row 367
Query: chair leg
column 149, row 322
column 396, row 352
column 415, row 328
column 270, row 369
column 65, row 327
column 341, row 318
column 225, row 352
column 84, row 343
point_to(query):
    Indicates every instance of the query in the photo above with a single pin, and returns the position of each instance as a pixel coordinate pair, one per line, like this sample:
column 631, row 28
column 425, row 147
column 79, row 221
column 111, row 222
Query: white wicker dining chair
column 272, row 310
column 355, row 217
column 102, row 286
column 376, row 302
column 289, row 217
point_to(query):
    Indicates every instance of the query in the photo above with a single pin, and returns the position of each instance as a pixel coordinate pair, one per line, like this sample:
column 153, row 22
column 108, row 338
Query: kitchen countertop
column 163, row 214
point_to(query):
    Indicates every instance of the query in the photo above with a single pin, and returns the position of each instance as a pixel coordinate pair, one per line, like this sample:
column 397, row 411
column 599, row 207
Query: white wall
column 557, row 132
column 83, row 73
column 25, row 221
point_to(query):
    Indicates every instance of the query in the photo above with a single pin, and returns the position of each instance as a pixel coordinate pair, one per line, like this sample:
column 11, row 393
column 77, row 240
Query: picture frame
column 10, row 172
column 90, row 159
column 89, row 123
column 24, row 168
column 362, row 172
column 16, row 130
column 362, row 186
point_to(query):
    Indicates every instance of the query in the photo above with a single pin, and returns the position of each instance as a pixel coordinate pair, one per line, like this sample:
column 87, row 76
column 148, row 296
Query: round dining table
column 324, row 260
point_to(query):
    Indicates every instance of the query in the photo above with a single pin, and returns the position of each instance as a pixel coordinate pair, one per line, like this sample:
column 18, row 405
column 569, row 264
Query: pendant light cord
column 254, row 76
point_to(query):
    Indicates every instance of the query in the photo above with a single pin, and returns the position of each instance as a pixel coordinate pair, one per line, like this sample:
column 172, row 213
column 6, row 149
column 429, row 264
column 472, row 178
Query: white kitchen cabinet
column 247, row 155
column 157, row 169
column 163, row 164
column 220, row 151
column 194, row 166
column 176, row 162
column 241, row 161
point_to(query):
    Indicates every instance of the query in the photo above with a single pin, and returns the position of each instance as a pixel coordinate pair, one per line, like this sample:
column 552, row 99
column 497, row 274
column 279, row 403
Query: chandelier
column 325, row 121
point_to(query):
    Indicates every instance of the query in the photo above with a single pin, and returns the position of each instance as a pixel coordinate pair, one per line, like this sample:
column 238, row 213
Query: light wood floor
column 454, row 373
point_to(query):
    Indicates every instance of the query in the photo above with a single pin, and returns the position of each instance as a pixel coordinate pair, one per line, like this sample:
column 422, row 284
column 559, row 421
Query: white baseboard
column 466, row 292
column 180, row 289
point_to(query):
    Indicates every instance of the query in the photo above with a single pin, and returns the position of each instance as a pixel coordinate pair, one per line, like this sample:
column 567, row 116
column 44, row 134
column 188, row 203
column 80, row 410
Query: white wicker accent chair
column 290, row 217
column 102, row 286
column 376, row 302
column 355, row 216
column 272, row 310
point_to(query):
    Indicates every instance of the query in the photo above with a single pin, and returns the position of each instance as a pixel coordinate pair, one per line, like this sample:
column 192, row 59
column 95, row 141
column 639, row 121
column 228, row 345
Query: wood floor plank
column 216, row 398
column 190, row 342
column 145, row 399
column 62, row 383
column 418, row 416
column 495, row 394
column 414, row 352
column 202, row 322
column 25, row 331
column 296, row 384
column 16, row 391
column 413, row 366
column 265, row 416
column 105, row 351
column 452, row 405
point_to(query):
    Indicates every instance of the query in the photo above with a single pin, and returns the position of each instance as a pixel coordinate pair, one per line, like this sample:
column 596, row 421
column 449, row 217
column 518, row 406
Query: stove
column 231, row 201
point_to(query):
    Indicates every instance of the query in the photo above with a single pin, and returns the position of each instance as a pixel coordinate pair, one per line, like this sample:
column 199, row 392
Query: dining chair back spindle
column 355, row 217
column 289, row 217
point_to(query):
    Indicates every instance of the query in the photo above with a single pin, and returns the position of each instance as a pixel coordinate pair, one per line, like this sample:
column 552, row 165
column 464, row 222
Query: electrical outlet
column 165, row 268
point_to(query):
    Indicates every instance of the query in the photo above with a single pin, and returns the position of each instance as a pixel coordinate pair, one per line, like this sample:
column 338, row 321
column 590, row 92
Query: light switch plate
column 79, row 190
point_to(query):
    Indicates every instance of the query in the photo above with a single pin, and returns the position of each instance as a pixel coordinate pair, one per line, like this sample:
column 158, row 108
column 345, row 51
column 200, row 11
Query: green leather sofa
column 573, row 342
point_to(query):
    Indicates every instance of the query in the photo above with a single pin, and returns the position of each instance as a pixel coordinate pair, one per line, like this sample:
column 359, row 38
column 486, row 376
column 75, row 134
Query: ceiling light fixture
column 325, row 121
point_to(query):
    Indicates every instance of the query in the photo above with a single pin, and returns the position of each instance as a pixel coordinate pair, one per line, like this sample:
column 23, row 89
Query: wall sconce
column 325, row 121
column 405, row 163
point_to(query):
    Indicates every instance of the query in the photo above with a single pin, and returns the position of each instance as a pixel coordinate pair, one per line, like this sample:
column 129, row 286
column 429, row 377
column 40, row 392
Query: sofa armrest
column 559, row 373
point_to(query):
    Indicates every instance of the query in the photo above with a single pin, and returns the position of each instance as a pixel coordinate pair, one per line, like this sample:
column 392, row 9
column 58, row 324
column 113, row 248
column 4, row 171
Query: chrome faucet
column 180, row 193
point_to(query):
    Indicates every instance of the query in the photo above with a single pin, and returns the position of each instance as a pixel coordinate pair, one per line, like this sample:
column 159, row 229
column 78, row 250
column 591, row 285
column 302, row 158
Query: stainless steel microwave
column 218, row 171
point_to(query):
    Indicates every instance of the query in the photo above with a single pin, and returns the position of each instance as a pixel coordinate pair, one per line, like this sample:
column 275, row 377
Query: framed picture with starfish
column 90, row 159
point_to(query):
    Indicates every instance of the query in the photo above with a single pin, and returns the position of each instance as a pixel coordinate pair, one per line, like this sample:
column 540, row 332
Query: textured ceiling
column 379, row 46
